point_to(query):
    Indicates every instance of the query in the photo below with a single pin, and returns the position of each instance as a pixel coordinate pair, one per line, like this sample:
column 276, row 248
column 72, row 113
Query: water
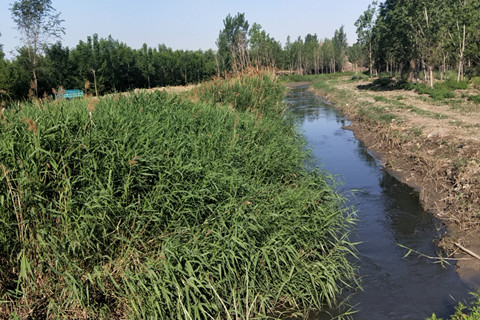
column 389, row 213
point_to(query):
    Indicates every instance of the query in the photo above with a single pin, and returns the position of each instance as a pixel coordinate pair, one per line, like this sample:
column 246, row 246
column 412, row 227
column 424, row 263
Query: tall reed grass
column 253, row 90
column 153, row 206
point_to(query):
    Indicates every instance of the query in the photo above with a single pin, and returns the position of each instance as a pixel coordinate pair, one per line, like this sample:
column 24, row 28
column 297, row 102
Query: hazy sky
column 190, row 24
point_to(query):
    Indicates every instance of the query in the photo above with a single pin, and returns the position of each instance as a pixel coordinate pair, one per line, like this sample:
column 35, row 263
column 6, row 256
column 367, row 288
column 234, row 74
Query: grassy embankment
column 191, row 206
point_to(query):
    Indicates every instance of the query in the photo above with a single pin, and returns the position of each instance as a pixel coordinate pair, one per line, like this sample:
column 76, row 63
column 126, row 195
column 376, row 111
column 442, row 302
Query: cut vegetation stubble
column 154, row 206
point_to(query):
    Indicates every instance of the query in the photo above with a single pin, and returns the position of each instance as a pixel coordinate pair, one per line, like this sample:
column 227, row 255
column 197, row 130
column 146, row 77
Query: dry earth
column 433, row 146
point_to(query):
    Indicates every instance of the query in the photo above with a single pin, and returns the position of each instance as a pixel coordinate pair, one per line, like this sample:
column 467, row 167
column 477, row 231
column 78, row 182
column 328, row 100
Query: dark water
column 389, row 213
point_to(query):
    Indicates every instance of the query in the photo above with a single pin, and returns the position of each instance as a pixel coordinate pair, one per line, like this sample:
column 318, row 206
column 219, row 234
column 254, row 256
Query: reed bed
column 253, row 90
column 153, row 206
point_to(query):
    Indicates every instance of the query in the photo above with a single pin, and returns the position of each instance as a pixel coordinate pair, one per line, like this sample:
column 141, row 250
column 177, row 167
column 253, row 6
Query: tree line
column 103, row 65
column 417, row 39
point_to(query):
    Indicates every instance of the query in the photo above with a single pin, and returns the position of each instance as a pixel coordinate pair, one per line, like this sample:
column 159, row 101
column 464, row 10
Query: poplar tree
column 38, row 22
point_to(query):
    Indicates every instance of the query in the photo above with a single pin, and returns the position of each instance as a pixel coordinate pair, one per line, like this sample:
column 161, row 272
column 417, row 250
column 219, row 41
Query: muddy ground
column 433, row 146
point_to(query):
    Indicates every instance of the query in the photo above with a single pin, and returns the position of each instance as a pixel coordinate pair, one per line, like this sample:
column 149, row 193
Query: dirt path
column 431, row 145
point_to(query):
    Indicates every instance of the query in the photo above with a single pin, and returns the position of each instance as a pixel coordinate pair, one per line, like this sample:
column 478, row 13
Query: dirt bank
column 433, row 146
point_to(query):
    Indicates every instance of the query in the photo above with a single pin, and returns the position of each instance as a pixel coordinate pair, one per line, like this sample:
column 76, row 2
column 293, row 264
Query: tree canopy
column 37, row 21
column 420, row 37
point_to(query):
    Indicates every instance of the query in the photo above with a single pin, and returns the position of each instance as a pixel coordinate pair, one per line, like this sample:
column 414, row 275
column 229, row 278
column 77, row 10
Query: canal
column 390, row 218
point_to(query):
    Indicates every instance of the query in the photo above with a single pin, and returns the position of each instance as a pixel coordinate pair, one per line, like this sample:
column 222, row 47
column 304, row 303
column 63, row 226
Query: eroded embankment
column 433, row 146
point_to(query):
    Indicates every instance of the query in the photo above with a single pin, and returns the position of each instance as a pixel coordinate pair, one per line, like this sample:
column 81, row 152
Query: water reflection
column 395, row 287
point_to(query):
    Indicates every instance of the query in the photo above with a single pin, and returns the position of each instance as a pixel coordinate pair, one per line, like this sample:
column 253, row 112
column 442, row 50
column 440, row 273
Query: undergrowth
column 153, row 206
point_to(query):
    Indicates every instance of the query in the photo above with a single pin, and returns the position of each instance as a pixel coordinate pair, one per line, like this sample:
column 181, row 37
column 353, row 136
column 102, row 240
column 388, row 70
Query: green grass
column 254, row 91
column 153, row 206
column 465, row 312
column 475, row 98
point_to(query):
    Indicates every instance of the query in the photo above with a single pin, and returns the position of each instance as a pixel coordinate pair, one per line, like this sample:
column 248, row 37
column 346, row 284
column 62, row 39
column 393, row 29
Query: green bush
column 440, row 91
column 360, row 76
column 152, row 206
column 475, row 98
column 475, row 82
column 454, row 84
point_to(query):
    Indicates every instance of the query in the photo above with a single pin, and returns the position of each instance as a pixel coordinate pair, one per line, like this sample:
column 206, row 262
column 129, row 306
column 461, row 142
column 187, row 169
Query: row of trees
column 416, row 38
column 102, row 65
column 240, row 46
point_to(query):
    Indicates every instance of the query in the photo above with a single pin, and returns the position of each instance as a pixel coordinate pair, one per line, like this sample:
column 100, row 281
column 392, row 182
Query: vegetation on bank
column 154, row 206
column 464, row 312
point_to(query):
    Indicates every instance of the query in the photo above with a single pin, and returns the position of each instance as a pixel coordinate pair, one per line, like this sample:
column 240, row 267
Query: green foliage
column 440, row 91
column 153, row 206
column 463, row 312
column 475, row 98
column 475, row 82
column 259, row 92
column 232, row 43
column 414, row 37
column 360, row 76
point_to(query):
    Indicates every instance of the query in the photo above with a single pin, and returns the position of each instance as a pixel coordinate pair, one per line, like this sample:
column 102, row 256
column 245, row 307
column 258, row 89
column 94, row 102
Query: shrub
column 440, row 91
column 475, row 98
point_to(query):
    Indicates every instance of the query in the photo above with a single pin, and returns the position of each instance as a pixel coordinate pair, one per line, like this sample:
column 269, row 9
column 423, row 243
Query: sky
column 189, row 24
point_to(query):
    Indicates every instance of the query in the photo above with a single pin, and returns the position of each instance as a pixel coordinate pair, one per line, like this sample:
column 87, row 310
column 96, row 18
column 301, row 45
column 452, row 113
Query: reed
column 252, row 90
column 153, row 206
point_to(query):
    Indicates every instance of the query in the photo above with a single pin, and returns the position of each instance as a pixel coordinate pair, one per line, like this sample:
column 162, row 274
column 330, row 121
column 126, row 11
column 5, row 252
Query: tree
column 37, row 22
column 364, row 26
column 264, row 50
column 59, row 70
column 340, row 46
column 232, row 43
column 2, row 55
column 355, row 55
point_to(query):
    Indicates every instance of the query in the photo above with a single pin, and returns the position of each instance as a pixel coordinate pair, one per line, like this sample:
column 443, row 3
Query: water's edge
column 390, row 216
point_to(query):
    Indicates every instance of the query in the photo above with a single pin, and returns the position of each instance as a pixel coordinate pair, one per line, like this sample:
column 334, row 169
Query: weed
column 465, row 312
column 360, row 76
column 475, row 98
column 380, row 98
column 416, row 131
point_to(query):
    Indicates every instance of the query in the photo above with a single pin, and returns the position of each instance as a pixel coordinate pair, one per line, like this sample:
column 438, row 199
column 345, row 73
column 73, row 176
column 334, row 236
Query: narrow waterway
column 389, row 215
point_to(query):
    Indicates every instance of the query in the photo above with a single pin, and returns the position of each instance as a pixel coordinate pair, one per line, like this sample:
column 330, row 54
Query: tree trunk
column 95, row 81
column 35, row 82
column 370, row 62
column 460, row 62
column 430, row 75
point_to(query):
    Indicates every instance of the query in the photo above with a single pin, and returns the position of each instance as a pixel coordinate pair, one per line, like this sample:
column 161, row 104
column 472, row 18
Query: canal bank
column 390, row 218
column 433, row 146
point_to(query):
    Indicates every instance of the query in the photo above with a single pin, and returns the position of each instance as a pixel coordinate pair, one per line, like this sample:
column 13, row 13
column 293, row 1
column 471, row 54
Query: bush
column 440, row 91
column 475, row 98
column 360, row 76
column 476, row 82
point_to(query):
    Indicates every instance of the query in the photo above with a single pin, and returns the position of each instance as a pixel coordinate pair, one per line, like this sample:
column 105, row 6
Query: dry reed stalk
column 32, row 126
